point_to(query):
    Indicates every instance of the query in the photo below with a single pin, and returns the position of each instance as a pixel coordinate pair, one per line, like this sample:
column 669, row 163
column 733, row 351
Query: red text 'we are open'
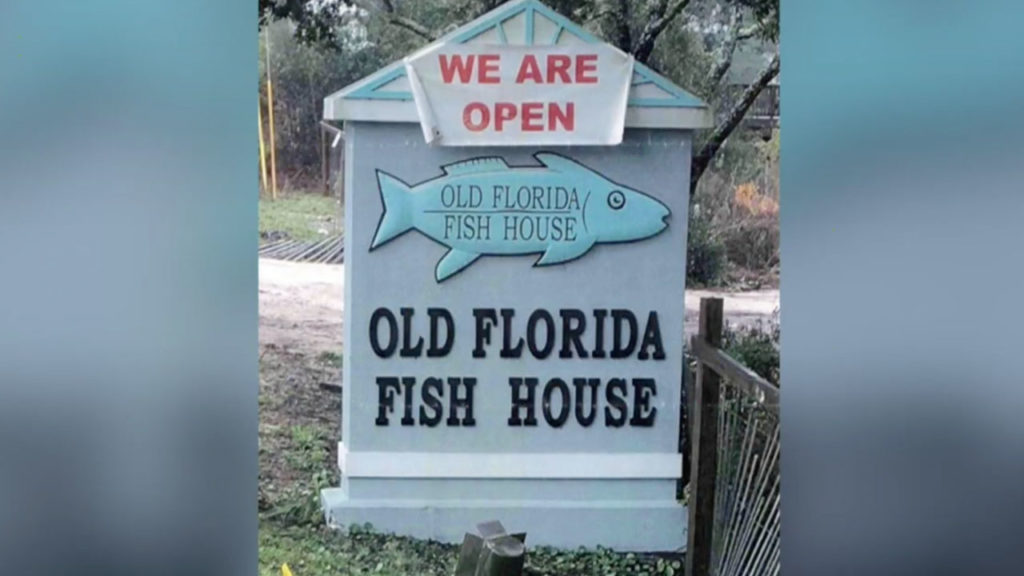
column 527, row 116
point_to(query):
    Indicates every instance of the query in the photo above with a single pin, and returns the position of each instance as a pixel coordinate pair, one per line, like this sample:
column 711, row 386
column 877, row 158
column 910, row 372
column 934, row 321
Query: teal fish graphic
column 484, row 207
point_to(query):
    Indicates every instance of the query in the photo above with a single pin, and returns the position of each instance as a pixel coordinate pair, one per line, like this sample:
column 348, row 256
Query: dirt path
column 301, row 306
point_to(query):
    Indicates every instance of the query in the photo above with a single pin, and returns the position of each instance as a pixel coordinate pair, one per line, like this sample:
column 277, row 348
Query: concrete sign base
column 623, row 525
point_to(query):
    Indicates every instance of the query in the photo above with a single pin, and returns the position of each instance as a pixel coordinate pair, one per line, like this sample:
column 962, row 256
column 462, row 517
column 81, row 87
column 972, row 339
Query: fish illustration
column 484, row 207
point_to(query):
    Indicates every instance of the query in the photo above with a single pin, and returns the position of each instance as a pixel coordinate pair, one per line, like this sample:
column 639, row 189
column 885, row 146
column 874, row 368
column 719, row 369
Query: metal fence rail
column 330, row 250
column 734, row 471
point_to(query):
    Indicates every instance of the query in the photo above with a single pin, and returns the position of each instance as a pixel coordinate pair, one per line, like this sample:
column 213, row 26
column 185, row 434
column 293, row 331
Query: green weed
column 331, row 358
column 301, row 216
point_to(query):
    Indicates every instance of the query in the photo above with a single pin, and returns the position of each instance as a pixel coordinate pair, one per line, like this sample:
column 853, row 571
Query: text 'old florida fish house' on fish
column 527, row 212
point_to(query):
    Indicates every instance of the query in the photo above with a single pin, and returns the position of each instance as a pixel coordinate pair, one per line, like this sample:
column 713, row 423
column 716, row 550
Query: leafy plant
column 310, row 448
column 705, row 252
column 331, row 358
column 756, row 346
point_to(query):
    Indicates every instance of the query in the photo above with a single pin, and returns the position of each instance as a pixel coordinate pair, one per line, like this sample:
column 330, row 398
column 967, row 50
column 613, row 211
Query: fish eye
column 616, row 200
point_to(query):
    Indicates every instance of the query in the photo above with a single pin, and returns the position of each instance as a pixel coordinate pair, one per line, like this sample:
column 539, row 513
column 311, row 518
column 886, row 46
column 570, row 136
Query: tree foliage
column 692, row 42
column 316, row 21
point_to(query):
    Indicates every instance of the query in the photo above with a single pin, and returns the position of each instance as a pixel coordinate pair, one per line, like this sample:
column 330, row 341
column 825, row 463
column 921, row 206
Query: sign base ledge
column 625, row 526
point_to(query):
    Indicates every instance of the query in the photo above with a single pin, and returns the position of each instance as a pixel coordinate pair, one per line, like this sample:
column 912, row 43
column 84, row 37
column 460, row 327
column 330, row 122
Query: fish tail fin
column 398, row 213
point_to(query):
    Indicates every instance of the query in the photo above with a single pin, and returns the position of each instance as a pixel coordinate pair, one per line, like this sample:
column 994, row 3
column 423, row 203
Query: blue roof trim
column 530, row 15
column 370, row 90
column 558, row 35
column 680, row 98
column 388, row 95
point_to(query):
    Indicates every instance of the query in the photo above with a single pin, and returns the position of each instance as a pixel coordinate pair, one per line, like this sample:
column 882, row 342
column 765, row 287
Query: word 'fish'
column 484, row 207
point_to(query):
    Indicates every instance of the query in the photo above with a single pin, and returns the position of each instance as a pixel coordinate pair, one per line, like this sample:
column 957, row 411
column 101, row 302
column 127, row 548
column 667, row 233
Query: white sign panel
column 480, row 95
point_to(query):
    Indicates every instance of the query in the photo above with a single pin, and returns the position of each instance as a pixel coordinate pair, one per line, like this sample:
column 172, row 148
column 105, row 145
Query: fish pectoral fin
column 452, row 262
column 557, row 253
column 560, row 163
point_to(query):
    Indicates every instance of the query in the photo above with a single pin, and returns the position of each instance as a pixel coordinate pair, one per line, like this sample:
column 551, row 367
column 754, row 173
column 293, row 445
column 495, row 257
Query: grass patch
column 301, row 216
column 318, row 550
column 331, row 359
column 309, row 449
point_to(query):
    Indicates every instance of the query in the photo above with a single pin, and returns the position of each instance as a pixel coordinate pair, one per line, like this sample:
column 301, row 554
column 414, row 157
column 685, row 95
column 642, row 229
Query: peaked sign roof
column 385, row 96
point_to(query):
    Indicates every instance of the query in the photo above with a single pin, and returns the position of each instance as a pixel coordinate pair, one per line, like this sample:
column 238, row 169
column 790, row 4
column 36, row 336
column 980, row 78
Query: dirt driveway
column 301, row 306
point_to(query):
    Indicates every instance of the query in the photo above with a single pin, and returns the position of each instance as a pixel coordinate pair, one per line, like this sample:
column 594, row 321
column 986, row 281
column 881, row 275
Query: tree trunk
column 623, row 35
column 728, row 48
column 714, row 142
column 661, row 17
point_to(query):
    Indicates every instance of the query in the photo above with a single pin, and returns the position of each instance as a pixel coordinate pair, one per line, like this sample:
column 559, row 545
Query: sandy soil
column 301, row 306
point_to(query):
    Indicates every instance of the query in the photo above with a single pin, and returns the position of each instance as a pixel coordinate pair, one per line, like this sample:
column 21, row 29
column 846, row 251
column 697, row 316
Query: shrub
column 739, row 200
column 756, row 346
column 705, row 253
column 752, row 237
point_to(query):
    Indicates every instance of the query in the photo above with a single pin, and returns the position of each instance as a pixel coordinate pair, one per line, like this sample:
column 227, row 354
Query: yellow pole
column 263, row 159
column 270, row 118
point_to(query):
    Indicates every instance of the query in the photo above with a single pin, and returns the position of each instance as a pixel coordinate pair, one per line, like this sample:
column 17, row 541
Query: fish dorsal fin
column 559, row 163
column 475, row 165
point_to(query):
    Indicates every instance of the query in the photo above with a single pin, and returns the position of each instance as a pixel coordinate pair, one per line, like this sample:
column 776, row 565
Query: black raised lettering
column 618, row 316
column 581, row 384
column 387, row 387
column 563, row 413
column 652, row 337
column 507, row 350
column 408, row 350
column 574, row 322
column 389, row 349
column 539, row 315
column 439, row 350
column 465, row 402
column 616, row 401
column 520, row 403
column 408, row 382
column 483, row 329
column 433, row 390
column 599, row 316
column 643, row 413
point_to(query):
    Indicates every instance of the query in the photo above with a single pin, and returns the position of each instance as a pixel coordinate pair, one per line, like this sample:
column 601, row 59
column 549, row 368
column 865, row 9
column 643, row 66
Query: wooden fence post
column 703, row 446
column 325, row 162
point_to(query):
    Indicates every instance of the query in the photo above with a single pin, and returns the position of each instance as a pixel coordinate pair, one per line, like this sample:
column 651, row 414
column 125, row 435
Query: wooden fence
column 734, row 460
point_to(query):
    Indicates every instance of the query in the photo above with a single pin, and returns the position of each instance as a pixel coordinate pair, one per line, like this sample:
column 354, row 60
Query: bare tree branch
column 623, row 35
column 393, row 17
column 661, row 16
column 718, row 137
column 748, row 32
column 412, row 26
column 726, row 51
